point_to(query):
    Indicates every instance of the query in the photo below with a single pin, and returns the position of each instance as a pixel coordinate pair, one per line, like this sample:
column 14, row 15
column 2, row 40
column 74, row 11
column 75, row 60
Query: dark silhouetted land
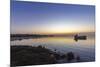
column 27, row 36
column 28, row 55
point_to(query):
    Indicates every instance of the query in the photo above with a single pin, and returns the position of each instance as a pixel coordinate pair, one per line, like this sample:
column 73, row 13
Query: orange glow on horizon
column 60, row 28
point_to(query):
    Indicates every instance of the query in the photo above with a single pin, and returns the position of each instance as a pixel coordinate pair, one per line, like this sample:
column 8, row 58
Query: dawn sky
column 47, row 18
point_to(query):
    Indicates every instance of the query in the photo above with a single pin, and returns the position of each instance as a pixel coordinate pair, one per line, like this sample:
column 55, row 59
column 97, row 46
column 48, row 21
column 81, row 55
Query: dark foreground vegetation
column 28, row 55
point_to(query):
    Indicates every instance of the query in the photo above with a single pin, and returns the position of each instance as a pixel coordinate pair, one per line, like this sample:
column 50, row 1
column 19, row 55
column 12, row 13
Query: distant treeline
column 29, row 35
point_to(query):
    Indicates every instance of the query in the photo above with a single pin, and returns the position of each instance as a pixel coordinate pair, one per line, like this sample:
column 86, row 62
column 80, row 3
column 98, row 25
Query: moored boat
column 77, row 37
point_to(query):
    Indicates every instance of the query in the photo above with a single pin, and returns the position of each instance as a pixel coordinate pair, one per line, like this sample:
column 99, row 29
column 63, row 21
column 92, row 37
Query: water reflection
column 84, row 48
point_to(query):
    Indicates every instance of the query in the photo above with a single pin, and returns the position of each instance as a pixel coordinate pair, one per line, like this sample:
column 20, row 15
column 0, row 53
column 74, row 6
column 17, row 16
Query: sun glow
column 63, row 29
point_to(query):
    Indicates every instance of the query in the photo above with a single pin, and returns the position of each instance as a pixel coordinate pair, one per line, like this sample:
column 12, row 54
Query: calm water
column 84, row 48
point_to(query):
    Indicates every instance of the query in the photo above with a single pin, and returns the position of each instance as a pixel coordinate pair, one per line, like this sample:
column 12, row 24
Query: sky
column 51, row 18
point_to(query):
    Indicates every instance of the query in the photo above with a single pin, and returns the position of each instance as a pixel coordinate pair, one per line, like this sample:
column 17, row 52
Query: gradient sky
column 47, row 18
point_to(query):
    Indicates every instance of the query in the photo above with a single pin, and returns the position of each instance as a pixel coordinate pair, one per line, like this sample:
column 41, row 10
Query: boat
column 77, row 37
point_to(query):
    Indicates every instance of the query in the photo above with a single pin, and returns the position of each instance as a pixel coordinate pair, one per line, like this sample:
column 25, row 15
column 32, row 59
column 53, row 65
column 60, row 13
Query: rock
column 78, row 58
column 70, row 56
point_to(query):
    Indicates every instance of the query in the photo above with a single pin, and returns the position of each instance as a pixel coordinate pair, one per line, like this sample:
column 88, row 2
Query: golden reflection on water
column 56, row 41
column 67, row 40
column 59, row 39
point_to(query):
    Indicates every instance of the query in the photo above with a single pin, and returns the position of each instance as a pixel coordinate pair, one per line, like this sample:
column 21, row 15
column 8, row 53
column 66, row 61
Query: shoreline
column 40, row 55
